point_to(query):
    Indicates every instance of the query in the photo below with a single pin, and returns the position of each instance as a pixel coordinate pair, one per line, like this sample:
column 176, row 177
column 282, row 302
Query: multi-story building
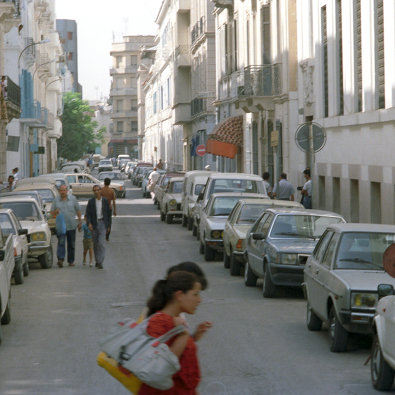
column 34, row 57
column 102, row 115
column 123, row 93
column 67, row 29
column 346, row 84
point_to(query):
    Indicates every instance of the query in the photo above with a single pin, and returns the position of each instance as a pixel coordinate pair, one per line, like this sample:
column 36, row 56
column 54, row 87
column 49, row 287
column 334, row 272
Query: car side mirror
column 22, row 232
column 200, row 197
column 258, row 236
column 385, row 290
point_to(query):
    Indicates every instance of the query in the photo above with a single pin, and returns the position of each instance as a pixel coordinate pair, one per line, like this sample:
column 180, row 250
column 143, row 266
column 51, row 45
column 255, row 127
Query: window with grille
column 380, row 71
column 324, row 41
column 266, row 39
column 339, row 23
column 358, row 54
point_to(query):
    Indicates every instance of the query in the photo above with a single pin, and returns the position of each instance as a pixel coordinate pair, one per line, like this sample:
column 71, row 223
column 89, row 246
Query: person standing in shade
column 69, row 207
column 98, row 217
column 160, row 165
column 109, row 194
column 286, row 190
column 266, row 182
column 306, row 191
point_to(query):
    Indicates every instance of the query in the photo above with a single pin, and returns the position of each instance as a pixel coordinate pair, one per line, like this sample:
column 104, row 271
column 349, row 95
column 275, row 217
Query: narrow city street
column 256, row 346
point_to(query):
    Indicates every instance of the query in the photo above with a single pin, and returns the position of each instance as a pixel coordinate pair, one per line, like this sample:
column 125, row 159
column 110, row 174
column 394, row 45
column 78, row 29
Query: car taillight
column 15, row 253
column 239, row 244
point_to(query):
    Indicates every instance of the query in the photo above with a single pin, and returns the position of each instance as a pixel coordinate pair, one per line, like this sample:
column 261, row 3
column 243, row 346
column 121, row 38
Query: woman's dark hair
column 190, row 267
column 164, row 290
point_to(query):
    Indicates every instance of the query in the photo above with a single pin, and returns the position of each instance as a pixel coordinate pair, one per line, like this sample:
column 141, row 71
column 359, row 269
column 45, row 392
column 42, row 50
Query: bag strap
column 172, row 332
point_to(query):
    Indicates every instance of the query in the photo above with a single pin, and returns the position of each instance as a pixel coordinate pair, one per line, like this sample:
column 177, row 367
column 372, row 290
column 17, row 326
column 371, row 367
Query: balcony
column 123, row 92
column 10, row 7
column 11, row 96
column 182, row 113
column 223, row 3
column 228, row 86
column 261, row 81
column 182, row 6
column 124, row 114
column 203, row 104
column 35, row 115
column 124, row 70
column 198, row 29
column 182, row 56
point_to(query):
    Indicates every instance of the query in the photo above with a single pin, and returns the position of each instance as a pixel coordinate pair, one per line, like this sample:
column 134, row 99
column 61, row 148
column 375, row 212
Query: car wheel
column 209, row 253
column 201, row 248
column 26, row 268
column 18, row 274
column 169, row 219
column 46, row 260
column 226, row 260
column 250, row 278
column 6, row 318
column 184, row 222
column 162, row 216
column 235, row 265
column 268, row 288
column 381, row 373
column 313, row 322
column 337, row 334
column 190, row 223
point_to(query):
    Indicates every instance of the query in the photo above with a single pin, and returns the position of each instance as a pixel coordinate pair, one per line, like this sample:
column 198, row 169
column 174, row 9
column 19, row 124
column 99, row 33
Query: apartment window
column 69, row 35
column 161, row 98
column 154, row 102
column 248, row 42
column 324, row 41
column 119, row 105
column 380, row 71
column 118, row 61
column 336, row 194
column 375, row 203
column 168, row 92
column 358, row 54
column 133, row 59
column 69, row 56
column 235, row 44
column 354, row 200
column 119, row 126
column 339, row 25
column 133, row 105
column 133, row 126
column 266, row 38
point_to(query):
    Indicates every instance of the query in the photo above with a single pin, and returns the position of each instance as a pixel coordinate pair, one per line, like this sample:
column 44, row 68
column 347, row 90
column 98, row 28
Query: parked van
column 194, row 182
column 226, row 182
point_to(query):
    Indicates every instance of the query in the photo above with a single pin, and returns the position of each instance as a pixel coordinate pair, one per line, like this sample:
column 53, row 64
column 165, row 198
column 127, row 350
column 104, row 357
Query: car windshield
column 176, row 187
column 362, row 250
column 250, row 213
column 198, row 189
column 237, row 185
column 23, row 210
column 6, row 225
column 105, row 163
column 111, row 176
column 223, row 205
column 307, row 226
column 46, row 194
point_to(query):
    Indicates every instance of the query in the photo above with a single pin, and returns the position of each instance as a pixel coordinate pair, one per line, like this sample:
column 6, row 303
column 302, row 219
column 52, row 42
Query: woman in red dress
column 179, row 293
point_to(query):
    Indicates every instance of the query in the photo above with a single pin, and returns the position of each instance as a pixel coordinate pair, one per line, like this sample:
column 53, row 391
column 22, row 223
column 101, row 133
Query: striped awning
column 226, row 138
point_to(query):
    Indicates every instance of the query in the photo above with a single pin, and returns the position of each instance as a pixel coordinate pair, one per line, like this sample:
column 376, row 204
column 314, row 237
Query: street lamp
column 28, row 46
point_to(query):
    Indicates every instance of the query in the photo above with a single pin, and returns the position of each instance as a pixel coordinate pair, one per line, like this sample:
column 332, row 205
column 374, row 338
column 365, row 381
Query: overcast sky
column 99, row 22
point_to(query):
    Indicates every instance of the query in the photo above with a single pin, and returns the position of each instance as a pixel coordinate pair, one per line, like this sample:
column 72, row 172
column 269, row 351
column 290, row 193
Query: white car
column 10, row 225
column 39, row 235
column 7, row 263
column 171, row 202
column 382, row 362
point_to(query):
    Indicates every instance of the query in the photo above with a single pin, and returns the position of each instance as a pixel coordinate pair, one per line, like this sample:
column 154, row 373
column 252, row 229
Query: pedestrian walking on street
column 98, row 219
column 15, row 173
column 286, row 190
column 87, row 243
column 306, row 191
column 109, row 194
column 160, row 165
column 178, row 293
column 69, row 207
column 153, row 179
column 266, row 182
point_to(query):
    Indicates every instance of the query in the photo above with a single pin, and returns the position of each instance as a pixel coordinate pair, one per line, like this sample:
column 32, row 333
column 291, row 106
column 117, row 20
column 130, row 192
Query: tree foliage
column 79, row 134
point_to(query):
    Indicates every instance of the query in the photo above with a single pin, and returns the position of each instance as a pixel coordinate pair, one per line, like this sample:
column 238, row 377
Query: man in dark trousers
column 98, row 216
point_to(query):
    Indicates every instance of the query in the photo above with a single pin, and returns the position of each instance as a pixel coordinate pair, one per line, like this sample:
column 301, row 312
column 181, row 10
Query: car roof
column 236, row 194
column 175, row 179
column 236, row 176
column 6, row 210
column 290, row 211
column 36, row 186
column 358, row 227
column 18, row 199
column 110, row 171
column 265, row 199
column 36, row 180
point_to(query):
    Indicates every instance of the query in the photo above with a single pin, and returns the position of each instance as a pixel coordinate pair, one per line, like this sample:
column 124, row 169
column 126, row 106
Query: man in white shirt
column 306, row 191
column 153, row 179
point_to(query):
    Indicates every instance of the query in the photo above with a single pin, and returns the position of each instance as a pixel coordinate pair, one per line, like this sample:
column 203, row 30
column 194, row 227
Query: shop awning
column 226, row 138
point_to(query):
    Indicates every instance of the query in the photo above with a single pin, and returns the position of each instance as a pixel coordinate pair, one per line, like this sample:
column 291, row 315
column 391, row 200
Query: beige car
column 240, row 220
column 82, row 184
column 48, row 191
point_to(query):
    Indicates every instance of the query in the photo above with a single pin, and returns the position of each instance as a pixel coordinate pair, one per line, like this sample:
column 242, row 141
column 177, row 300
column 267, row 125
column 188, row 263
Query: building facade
column 123, row 94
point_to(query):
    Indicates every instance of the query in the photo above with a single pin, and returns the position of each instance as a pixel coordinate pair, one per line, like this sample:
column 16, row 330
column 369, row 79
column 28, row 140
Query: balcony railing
column 223, row 3
column 202, row 104
column 261, row 81
column 182, row 56
column 198, row 29
column 11, row 91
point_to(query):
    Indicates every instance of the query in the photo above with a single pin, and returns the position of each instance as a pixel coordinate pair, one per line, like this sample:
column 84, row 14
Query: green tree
column 79, row 135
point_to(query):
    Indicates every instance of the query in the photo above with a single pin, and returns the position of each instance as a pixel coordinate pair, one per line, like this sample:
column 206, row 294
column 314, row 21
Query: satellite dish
column 302, row 137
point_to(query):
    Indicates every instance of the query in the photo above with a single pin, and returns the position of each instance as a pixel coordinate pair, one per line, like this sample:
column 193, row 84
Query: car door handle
column 317, row 271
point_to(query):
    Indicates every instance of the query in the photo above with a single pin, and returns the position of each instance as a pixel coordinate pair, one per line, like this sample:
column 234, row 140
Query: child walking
column 87, row 243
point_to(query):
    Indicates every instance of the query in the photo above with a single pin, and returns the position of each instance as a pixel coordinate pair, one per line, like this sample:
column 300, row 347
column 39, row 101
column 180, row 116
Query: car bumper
column 175, row 213
column 215, row 244
column 38, row 248
column 240, row 256
column 357, row 322
column 286, row 275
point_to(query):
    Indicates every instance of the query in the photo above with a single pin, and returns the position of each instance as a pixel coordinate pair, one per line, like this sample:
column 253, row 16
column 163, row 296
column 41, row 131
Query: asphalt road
column 256, row 346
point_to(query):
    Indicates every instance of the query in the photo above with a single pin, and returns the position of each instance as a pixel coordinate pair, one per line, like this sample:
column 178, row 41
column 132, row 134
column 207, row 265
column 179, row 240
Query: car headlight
column 173, row 204
column 287, row 259
column 363, row 300
column 217, row 234
column 38, row 236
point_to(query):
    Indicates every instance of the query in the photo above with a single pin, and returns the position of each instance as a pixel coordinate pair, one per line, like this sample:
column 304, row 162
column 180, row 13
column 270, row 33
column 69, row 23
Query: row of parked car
column 339, row 265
